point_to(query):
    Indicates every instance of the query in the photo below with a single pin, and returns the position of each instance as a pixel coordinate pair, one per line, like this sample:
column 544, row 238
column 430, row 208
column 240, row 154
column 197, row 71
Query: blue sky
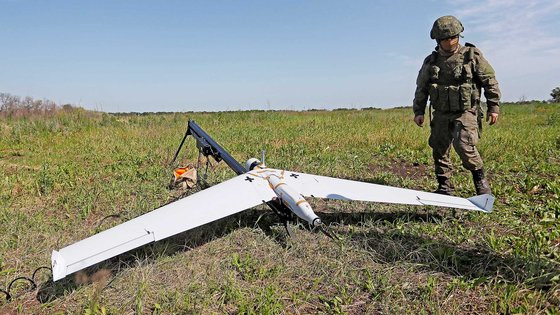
column 228, row 55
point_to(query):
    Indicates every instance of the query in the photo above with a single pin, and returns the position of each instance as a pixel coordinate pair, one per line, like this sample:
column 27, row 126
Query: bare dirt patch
column 402, row 168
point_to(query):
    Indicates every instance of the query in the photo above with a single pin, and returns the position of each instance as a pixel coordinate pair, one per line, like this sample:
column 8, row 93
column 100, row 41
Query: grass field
column 63, row 174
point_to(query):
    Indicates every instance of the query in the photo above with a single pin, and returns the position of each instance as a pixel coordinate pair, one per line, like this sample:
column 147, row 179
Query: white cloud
column 521, row 40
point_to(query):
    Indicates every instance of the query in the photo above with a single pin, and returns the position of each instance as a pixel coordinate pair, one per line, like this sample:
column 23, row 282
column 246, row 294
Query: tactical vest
column 452, row 87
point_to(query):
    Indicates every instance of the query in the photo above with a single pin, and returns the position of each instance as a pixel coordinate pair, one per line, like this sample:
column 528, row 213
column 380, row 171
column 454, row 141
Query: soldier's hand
column 492, row 118
column 419, row 120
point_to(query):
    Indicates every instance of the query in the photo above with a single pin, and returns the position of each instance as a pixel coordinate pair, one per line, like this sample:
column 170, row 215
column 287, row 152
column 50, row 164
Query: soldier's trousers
column 459, row 129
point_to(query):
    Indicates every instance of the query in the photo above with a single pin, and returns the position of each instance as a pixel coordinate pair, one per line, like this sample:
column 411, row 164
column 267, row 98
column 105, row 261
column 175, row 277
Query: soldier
column 452, row 76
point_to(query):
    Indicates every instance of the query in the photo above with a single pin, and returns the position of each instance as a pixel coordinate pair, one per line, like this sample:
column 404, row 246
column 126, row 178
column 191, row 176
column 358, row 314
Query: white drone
column 255, row 185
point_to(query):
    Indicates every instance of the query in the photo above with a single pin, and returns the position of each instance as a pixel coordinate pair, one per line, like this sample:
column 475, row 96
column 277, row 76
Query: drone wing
column 216, row 202
column 334, row 188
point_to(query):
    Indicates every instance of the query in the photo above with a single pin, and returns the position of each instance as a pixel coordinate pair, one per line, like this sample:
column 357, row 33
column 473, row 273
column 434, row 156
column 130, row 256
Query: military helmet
column 445, row 27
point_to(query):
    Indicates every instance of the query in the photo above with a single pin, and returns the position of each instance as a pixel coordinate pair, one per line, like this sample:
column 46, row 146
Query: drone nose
column 316, row 222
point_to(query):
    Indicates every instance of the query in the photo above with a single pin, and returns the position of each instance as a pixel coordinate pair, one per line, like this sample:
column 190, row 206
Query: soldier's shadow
column 460, row 260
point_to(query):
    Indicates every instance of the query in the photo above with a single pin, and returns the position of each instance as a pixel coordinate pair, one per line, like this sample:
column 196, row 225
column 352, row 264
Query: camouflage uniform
column 453, row 84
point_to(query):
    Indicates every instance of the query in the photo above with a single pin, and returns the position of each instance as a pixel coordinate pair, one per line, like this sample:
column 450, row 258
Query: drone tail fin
column 484, row 202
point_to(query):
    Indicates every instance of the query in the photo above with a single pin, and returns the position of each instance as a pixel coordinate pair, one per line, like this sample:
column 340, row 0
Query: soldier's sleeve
column 422, row 89
column 487, row 77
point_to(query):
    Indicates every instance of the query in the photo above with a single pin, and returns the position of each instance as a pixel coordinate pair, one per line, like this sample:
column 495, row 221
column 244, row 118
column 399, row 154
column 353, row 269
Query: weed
column 139, row 298
column 333, row 305
column 45, row 182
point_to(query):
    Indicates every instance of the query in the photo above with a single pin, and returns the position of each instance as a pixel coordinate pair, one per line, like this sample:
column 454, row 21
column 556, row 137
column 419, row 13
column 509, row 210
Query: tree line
column 16, row 106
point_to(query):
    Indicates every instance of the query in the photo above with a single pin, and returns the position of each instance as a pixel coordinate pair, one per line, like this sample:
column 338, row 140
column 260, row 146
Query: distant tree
column 67, row 107
column 555, row 94
column 11, row 105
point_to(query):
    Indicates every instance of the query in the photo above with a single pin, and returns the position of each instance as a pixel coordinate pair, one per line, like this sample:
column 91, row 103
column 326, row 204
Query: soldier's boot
column 480, row 183
column 444, row 186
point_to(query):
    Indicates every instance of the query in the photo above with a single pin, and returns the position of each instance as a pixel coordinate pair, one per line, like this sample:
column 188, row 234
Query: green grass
column 61, row 175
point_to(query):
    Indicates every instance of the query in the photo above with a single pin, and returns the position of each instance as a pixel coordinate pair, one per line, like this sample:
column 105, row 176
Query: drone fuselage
column 291, row 198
